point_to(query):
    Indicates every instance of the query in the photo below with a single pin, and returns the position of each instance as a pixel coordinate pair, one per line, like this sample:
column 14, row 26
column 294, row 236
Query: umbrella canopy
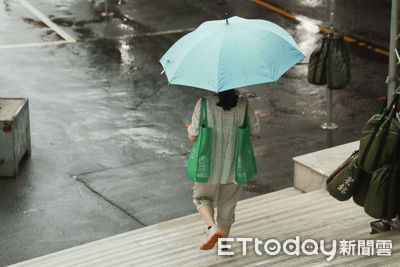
column 225, row 54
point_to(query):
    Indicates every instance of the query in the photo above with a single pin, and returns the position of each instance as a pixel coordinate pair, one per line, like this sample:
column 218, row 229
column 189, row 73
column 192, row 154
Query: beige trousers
column 228, row 196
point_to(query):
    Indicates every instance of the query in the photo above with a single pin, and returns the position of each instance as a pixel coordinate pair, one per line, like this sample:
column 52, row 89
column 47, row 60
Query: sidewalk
column 287, row 219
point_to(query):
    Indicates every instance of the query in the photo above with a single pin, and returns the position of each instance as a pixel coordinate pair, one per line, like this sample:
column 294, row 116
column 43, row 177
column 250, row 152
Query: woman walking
column 226, row 112
column 217, row 57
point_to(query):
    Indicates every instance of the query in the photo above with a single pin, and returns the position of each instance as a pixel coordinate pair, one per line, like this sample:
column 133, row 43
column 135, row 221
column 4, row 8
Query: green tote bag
column 198, row 165
column 246, row 166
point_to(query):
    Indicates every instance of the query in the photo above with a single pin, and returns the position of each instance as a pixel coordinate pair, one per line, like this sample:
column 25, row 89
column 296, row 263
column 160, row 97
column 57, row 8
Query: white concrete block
column 15, row 141
column 311, row 170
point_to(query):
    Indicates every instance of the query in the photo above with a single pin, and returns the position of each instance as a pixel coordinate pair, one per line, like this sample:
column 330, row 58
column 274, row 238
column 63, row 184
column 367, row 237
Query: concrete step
column 283, row 214
column 312, row 170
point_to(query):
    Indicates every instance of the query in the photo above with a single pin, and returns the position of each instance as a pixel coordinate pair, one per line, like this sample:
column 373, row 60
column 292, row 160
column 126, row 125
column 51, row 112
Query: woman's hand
column 192, row 138
column 254, row 135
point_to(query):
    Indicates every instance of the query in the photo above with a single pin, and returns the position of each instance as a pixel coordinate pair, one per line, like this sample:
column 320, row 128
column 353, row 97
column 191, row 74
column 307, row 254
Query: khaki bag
column 380, row 137
column 382, row 199
column 338, row 64
column 361, row 188
column 341, row 183
column 317, row 64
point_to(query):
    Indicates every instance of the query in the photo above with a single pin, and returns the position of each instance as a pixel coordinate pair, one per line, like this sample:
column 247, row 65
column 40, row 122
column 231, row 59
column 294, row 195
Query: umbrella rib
column 220, row 61
column 290, row 41
column 245, row 35
column 193, row 45
column 276, row 52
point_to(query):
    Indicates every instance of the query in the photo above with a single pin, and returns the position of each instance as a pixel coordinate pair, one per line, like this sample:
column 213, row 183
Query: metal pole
column 394, row 31
column 332, row 16
column 330, row 106
column 106, row 13
column 330, row 125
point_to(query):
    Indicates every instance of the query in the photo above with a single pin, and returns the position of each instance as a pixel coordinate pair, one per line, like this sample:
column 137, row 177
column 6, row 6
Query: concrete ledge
column 312, row 170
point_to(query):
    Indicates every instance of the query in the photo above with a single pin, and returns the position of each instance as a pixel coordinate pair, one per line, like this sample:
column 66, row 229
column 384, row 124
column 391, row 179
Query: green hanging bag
column 317, row 66
column 338, row 64
column 246, row 165
column 382, row 199
column 361, row 187
column 198, row 164
column 379, row 139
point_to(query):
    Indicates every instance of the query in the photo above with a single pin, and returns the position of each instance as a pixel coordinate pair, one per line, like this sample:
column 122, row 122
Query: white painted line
column 47, row 21
column 68, row 38
column 124, row 37
column 164, row 32
column 35, row 44
column 149, row 34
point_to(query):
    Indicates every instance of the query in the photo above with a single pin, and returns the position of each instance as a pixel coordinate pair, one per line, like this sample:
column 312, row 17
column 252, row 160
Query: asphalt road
column 109, row 142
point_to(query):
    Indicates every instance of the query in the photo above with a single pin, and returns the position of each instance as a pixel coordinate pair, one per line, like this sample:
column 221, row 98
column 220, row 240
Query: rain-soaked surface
column 15, row 18
column 109, row 141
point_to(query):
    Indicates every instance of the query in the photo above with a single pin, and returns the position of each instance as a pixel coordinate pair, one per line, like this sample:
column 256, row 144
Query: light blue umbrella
column 225, row 54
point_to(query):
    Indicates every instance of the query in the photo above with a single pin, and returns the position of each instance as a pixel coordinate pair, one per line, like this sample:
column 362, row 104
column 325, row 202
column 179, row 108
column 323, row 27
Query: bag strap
column 393, row 104
column 381, row 147
column 203, row 110
column 348, row 161
column 386, row 128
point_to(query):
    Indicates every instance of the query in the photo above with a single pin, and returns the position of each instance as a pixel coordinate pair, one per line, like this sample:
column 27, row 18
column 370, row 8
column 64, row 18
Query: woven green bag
column 246, row 166
column 361, row 187
column 198, row 165
column 381, row 200
column 338, row 64
column 379, row 139
column 317, row 66
column 341, row 183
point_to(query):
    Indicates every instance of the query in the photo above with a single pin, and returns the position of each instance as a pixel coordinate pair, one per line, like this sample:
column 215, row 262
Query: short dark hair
column 228, row 99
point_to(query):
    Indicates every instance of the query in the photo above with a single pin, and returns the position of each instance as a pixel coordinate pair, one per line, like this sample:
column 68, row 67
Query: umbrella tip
column 226, row 17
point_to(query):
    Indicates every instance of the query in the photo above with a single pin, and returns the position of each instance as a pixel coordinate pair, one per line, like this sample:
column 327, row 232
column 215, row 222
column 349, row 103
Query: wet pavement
column 109, row 141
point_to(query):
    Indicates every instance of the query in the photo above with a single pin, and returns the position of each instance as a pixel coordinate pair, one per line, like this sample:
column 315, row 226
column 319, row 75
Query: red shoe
column 212, row 237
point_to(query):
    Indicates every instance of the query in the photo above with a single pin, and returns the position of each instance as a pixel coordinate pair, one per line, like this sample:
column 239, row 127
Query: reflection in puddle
column 127, row 58
column 308, row 34
column 146, row 137
column 311, row 3
column 124, row 26
column 307, row 37
column 49, row 32
column 6, row 5
column 36, row 23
